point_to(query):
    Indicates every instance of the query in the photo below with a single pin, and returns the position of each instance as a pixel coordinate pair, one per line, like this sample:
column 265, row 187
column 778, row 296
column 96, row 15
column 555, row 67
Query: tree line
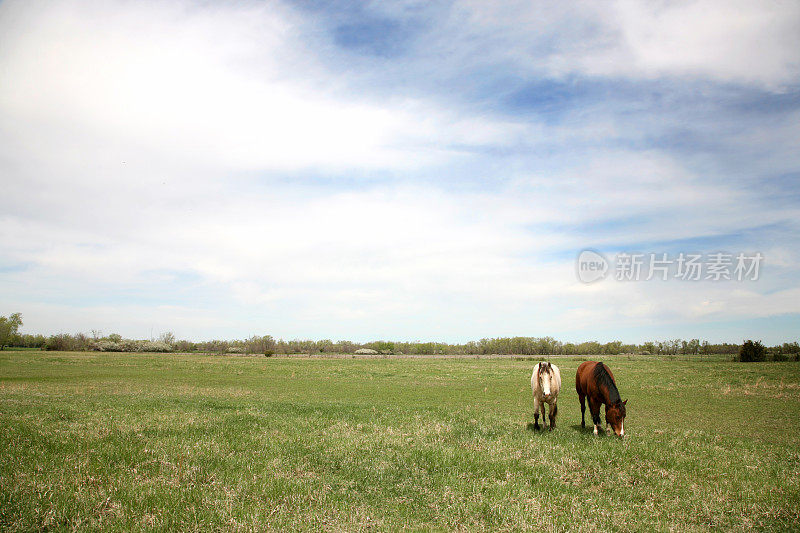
column 267, row 345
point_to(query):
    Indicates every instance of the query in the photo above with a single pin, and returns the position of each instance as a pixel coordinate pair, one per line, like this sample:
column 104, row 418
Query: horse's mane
column 604, row 378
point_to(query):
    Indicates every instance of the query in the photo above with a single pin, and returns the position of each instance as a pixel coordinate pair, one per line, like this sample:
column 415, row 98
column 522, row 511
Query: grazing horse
column 595, row 381
column 545, row 383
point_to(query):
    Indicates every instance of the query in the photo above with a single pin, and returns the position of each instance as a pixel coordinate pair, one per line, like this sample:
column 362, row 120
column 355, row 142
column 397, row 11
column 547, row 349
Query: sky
column 410, row 170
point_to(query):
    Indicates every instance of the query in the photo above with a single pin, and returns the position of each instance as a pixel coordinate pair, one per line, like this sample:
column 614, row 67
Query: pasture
column 132, row 441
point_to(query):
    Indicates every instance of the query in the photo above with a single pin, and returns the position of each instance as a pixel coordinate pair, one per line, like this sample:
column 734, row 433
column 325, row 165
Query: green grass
column 130, row 441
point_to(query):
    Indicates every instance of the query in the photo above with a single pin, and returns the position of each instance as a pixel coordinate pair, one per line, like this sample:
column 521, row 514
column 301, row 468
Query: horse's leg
column 553, row 413
column 536, row 413
column 594, row 409
column 583, row 410
column 542, row 407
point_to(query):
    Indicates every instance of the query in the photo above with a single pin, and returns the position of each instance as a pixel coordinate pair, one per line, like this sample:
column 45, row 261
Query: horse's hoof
column 552, row 428
column 536, row 427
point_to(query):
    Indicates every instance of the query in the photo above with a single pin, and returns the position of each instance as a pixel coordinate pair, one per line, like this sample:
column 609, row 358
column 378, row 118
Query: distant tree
column 9, row 326
column 612, row 348
column 346, row 347
column 80, row 342
column 690, row 347
column 63, row 342
column 185, row 346
column 167, row 338
column 32, row 341
column 790, row 348
column 694, row 346
column 590, row 348
column 751, row 351
column 257, row 344
column 385, row 346
column 325, row 345
column 705, row 348
column 214, row 346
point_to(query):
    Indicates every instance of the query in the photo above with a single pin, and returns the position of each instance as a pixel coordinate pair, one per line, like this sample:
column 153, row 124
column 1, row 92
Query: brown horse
column 595, row 381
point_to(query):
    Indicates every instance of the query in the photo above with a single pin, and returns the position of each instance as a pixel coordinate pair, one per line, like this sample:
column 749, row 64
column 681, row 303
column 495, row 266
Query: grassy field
column 130, row 441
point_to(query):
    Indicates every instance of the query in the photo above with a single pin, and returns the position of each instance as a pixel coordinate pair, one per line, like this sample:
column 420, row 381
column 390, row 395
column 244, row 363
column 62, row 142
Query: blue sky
column 404, row 170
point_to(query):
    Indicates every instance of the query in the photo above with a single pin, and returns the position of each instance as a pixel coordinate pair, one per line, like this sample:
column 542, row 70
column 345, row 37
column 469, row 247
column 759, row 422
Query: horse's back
column 583, row 377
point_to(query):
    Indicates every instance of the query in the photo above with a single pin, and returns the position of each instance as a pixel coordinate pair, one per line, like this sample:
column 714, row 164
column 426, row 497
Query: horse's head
column 545, row 379
column 615, row 416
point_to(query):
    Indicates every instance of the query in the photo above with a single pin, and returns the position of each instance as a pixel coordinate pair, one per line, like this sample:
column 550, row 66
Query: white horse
column 545, row 383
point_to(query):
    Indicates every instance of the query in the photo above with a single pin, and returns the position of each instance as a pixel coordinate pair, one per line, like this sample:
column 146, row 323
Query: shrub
column 106, row 346
column 61, row 342
column 751, row 351
column 129, row 345
column 215, row 347
column 185, row 346
column 792, row 350
column 154, row 346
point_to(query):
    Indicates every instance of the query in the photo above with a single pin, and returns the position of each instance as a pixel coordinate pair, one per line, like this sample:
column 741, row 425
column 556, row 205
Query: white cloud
column 742, row 41
column 355, row 263
column 232, row 87
column 143, row 143
column 739, row 41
